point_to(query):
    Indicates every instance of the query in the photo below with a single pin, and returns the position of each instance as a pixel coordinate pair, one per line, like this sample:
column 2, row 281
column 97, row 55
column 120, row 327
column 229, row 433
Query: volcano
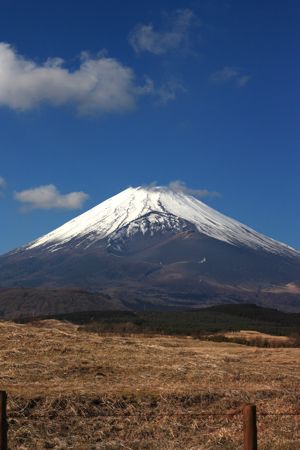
column 159, row 247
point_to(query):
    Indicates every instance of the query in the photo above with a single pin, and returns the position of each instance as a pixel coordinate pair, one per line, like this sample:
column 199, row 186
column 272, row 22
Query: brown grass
column 254, row 338
column 69, row 389
column 252, row 335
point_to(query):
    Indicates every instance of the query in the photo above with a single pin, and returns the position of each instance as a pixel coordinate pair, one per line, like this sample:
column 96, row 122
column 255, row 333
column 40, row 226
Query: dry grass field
column 70, row 389
column 253, row 335
column 257, row 339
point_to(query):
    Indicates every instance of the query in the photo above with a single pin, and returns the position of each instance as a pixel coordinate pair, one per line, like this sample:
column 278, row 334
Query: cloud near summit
column 99, row 85
column 180, row 186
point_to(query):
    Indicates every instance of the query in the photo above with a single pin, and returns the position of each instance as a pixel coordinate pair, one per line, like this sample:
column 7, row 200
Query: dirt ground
column 69, row 389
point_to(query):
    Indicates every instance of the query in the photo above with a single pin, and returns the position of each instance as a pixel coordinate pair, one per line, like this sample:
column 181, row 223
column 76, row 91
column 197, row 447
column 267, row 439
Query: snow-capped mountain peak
column 169, row 206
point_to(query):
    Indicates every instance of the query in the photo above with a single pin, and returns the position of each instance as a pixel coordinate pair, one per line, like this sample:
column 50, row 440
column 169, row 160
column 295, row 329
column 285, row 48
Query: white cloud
column 169, row 90
column 145, row 39
column 2, row 186
column 180, row 186
column 99, row 84
column 165, row 93
column 228, row 74
column 2, row 182
column 48, row 197
column 242, row 80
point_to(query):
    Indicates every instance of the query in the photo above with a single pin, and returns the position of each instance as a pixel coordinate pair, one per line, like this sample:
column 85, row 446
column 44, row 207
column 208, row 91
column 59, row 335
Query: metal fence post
column 3, row 421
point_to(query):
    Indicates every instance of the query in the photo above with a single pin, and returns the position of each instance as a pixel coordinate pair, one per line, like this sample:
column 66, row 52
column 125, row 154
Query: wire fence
column 248, row 413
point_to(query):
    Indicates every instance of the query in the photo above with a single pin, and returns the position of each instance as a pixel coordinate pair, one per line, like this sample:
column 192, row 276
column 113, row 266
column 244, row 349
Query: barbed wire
column 187, row 414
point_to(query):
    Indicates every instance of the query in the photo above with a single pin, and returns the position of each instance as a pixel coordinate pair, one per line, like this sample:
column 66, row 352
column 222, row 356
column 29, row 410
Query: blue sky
column 97, row 96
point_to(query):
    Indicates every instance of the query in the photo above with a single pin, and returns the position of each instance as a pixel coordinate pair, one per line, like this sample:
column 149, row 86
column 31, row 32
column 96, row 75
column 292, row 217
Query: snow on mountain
column 133, row 205
column 150, row 225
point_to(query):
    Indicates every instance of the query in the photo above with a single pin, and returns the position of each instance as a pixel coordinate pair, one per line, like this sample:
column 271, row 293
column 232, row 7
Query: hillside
column 219, row 318
column 31, row 302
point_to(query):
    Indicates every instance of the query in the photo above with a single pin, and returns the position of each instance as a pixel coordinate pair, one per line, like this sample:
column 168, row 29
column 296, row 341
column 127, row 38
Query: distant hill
column 16, row 303
column 218, row 318
column 32, row 302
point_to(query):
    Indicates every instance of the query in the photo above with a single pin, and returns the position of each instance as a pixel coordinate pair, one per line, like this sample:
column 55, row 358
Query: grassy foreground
column 71, row 389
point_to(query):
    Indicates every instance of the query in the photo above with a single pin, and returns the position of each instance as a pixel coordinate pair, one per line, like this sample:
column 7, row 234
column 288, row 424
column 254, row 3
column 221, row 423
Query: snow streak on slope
column 133, row 203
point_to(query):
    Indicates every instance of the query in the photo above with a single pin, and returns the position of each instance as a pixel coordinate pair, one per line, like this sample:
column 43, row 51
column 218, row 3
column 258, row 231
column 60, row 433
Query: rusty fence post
column 3, row 421
column 250, row 431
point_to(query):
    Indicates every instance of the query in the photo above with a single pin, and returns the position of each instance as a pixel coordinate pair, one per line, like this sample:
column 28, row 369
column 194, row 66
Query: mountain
column 157, row 246
column 151, row 210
